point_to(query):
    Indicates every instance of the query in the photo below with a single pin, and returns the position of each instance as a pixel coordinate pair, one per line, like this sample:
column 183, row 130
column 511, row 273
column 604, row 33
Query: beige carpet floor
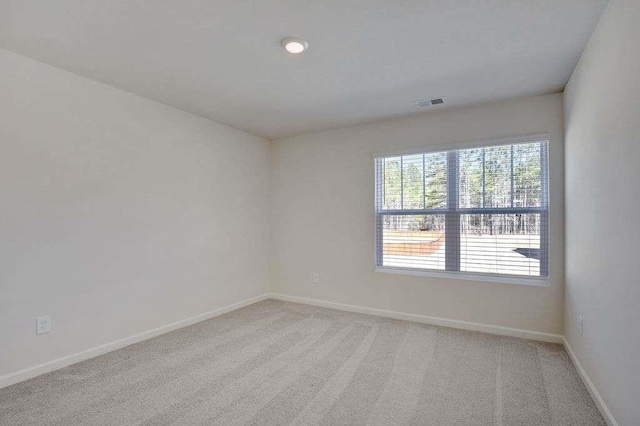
column 279, row 363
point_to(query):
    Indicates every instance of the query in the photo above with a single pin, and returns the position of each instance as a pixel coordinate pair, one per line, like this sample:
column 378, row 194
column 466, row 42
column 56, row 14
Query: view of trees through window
column 490, row 202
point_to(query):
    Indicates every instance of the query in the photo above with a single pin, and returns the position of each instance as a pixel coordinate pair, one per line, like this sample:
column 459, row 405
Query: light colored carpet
column 279, row 363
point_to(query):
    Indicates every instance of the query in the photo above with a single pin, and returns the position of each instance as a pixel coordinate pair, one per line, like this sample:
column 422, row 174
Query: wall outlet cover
column 43, row 325
column 581, row 324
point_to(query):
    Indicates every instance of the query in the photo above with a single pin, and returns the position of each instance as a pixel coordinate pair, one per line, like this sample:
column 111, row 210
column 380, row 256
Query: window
column 471, row 211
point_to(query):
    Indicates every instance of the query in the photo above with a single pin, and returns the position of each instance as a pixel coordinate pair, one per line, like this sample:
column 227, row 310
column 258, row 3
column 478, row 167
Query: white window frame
column 452, row 214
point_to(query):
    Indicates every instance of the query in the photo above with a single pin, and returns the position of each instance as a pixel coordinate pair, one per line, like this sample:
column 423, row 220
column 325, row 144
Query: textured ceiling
column 368, row 59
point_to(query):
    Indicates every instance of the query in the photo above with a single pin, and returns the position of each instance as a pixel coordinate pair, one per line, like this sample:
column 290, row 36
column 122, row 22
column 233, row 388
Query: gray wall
column 322, row 217
column 602, row 120
column 119, row 215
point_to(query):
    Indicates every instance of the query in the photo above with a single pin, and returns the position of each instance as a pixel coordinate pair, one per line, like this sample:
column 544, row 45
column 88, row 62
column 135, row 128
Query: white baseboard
column 595, row 395
column 56, row 364
column 36, row 370
column 464, row 325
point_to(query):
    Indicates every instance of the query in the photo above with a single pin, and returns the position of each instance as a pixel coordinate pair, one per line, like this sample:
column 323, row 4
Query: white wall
column 322, row 217
column 602, row 119
column 118, row 214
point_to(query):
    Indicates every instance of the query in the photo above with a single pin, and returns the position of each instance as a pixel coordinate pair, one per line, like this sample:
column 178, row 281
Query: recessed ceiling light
column 294, row 44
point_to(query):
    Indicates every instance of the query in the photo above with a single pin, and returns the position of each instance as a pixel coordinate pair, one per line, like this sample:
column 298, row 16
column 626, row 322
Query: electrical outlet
column 581, row 325
column 43, row 325
column 315, row 278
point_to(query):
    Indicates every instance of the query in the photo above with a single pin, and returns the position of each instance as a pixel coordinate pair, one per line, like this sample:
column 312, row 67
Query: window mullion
column 402, row 182
column 544, row 216
column 512, row 186
column 452, row 217
column 484, row 177
column 424, row 184
column 380, row 170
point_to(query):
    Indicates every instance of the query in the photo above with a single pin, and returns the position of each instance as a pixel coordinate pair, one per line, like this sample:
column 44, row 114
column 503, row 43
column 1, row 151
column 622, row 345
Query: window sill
column 505, row 279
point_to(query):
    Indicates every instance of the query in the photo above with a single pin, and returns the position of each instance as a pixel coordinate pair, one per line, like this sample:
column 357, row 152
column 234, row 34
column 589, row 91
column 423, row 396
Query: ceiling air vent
column 426, row 103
